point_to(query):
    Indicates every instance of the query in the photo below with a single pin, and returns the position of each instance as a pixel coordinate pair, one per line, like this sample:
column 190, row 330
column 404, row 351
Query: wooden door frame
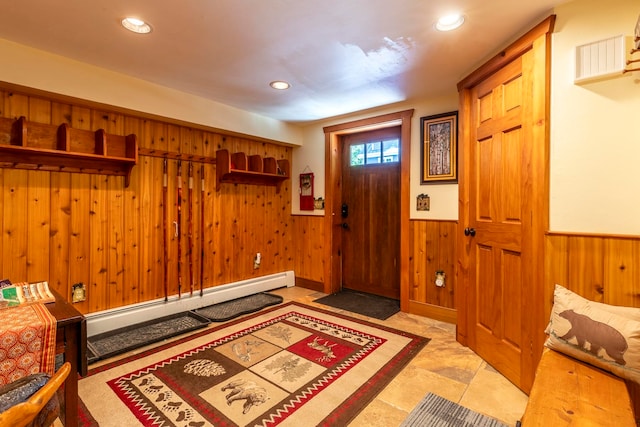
column 539, row 40
column 333, row 200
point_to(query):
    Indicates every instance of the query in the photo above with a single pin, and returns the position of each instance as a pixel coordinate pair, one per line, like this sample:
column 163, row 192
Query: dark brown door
column 371, row 212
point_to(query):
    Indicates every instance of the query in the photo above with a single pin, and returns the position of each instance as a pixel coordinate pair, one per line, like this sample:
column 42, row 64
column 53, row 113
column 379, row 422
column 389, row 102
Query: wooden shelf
column 38, row 146
column 238, row 168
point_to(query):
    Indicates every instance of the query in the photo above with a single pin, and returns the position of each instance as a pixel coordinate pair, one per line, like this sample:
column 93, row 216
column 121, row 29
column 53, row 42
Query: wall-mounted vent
column 601, row 59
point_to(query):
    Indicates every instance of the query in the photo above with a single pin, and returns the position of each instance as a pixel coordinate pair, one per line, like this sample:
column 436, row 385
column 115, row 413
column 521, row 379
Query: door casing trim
column 333, row 198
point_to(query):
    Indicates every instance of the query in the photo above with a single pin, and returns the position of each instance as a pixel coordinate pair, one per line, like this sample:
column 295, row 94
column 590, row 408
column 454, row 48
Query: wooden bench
column 567, row 392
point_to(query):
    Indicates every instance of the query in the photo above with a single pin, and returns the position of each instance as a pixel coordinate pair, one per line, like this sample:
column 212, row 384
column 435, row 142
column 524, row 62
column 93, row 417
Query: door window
column 375, row 152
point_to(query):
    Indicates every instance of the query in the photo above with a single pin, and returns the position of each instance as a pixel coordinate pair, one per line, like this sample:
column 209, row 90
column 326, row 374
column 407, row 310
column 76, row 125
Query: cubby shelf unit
column 238, row 168
column 39, row 146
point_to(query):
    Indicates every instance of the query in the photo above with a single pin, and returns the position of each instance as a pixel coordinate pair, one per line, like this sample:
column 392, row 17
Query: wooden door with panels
column 504, row 205
column 333, row 220
column 370, row 212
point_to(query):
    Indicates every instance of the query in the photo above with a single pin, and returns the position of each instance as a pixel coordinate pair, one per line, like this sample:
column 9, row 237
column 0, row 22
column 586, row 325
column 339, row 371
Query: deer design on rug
column 325, row 348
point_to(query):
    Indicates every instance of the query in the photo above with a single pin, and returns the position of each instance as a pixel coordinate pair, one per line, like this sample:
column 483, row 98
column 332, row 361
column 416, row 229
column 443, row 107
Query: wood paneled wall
column 432, row 249
column 310, row 240
column 71, row 227
column 600, row 268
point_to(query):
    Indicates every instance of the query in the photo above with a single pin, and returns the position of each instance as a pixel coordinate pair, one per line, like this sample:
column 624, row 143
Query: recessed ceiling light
column 449, row 22
column 136, row 25
column 280, row 85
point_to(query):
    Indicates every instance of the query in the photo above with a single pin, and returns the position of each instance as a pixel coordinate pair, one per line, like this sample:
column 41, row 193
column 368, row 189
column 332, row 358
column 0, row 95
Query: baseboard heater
column 109, row 320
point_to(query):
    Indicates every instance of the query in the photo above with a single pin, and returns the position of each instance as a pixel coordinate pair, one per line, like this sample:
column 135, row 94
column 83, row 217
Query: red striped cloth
column 27, row 342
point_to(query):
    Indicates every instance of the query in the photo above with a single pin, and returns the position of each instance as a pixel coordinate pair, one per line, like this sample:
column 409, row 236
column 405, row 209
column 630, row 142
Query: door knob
column 345, row 225
column 469, row 231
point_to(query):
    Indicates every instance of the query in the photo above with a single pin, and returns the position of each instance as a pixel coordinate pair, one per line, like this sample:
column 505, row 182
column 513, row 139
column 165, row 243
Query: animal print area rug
column 291, row 365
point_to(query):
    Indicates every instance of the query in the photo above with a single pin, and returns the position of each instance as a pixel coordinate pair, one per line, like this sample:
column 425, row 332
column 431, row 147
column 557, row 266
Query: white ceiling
column 340, row 56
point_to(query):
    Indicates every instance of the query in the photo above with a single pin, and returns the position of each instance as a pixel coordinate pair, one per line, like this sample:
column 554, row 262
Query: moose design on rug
column 599, row 335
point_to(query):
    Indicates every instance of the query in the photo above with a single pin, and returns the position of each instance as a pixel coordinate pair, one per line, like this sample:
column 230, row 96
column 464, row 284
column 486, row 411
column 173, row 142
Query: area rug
column 289, row 365
column 362, row 303
column 436, row 411
column 228, row 310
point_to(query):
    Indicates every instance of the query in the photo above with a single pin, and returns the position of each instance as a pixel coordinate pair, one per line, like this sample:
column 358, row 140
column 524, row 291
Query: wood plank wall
column 600, row 268
column 71, row 227
column 433, row 248
column 309, row 260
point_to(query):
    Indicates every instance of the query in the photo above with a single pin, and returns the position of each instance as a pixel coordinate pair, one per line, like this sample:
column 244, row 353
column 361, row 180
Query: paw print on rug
column 148, row 387
column 184, row 415
column 164, row 396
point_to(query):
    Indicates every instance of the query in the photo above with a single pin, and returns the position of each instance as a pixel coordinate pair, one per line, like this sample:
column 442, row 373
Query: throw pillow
column 603, row 335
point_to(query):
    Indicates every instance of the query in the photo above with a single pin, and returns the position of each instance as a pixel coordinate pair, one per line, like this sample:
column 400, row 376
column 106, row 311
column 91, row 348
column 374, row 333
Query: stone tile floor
column 443, row 367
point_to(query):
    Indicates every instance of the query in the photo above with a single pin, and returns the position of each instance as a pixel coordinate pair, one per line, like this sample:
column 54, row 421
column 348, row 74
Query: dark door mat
column 237, row 307
column 111, row 343
column 362, row 303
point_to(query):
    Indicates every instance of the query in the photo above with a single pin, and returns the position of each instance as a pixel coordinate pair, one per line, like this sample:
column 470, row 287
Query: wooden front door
column 505, row 145
column 371, row 214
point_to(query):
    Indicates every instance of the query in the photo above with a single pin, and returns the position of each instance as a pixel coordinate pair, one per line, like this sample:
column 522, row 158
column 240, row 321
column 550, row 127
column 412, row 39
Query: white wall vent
column 601, row 59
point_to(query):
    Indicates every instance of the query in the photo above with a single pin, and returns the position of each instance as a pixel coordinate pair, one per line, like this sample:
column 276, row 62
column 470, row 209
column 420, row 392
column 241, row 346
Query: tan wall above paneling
column 72, row 227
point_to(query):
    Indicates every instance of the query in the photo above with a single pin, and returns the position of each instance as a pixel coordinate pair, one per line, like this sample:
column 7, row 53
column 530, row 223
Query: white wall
column 34, row 68
column 595, row 127
column 444, row 197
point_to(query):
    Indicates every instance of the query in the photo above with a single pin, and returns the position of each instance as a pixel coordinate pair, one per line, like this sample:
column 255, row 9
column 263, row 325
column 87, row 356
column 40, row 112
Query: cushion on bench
column 603, row 335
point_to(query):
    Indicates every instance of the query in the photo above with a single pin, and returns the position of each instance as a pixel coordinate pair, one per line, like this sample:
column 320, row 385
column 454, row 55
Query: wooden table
column 71, row 340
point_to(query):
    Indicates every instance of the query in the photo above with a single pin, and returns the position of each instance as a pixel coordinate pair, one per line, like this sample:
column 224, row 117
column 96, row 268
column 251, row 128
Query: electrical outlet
column 256, row 261
column 78, row 293
column 440, row 279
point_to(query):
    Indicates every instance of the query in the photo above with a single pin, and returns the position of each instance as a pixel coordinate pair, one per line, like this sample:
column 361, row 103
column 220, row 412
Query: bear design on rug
column 250, row 392
column 598, row 334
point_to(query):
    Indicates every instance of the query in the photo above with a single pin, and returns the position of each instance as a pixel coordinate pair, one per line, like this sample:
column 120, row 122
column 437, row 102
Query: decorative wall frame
column 307, row 201
column 439, row 148
column 423, row 202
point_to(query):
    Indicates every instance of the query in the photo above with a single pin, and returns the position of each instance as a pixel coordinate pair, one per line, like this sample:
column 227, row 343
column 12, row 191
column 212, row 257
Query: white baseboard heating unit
column 109, row 320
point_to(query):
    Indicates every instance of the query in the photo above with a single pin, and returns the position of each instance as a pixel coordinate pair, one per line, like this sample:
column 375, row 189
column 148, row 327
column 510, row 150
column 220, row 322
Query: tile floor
column 443, row 367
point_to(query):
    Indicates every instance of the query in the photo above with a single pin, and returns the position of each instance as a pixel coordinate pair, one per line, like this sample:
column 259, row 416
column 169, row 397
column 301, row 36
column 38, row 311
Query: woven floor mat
column 230, row 309
column 119, row 341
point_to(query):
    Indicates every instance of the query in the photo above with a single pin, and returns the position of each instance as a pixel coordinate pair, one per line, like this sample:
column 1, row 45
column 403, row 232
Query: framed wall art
column 439, row 148
column 307, row 201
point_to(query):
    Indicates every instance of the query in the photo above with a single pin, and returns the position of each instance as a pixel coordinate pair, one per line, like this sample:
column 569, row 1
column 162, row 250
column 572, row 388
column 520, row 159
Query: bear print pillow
column 603, row 335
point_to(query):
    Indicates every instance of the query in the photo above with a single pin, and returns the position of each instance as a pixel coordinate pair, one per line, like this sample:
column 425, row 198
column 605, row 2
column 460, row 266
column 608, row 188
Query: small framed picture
column 423, row 202
column 439, row 148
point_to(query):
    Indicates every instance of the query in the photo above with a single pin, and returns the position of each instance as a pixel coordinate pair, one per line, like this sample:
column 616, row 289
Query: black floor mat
column 115, row 342
column 228, row 310
column 362, row 303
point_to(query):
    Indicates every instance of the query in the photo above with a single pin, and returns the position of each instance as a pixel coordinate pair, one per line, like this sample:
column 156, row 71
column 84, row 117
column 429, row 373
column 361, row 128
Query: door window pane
column 374, row 153
column 357, row 155
column 390, row 151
